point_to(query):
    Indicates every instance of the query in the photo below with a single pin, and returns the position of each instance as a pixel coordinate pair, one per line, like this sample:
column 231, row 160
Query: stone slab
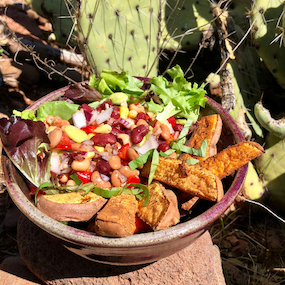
column 199, row 263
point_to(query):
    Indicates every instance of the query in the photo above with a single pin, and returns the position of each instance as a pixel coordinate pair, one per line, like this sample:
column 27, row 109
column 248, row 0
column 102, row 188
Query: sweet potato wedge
column 70, row 206
column 231, row 158
column 209, row 128
column 162, row 210
column 118, row 217
column 198, row 181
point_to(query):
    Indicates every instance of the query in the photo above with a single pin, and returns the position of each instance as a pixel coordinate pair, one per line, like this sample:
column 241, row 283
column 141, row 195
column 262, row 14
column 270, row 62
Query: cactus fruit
column 59, row 13
column 267, row 18
column 120, row 35
column 183, row 23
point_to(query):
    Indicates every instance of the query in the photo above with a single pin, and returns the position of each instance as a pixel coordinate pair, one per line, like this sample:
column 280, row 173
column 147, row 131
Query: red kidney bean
column 103, row 167
column 104, row 139
column 163, row 147
column 116, row 113
column 178, row 127
column 115, row 131
column 138, row 133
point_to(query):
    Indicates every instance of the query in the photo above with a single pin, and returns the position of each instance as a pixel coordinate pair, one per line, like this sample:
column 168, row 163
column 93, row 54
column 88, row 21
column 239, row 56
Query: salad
column 97, row 137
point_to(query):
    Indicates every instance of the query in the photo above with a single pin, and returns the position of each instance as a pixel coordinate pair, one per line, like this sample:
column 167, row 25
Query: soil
column 250, row 240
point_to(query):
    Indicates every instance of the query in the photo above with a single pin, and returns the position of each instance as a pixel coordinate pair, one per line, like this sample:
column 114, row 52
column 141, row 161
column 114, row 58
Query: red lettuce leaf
column 21, row 140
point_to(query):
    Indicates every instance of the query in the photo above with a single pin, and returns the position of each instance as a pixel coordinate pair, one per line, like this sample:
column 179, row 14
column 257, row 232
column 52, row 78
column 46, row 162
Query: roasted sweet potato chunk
column 209, row 128
column 118, row 217
column 162, row 210
column 231, row 158
column 198, row 181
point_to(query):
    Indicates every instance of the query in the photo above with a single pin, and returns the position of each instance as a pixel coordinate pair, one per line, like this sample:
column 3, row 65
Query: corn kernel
column 124, row 112
column 143, row 141
column 99, row 148
column 104, row 129
column 90, row 154
column 90, row 135
column 133, row 114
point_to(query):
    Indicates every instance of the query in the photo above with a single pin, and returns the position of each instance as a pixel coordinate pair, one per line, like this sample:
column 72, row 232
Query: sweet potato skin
column 162, row 210
column 70, row 206
column 118, row 217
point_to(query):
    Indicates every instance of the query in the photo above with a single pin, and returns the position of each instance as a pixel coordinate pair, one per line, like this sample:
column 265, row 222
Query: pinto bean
column 141, row 122
column 165, row 132
column 70, row 183
column 125, row 170
column 55, row 137
column 115, row 162
column 137, row 107
column 115, row 178
column 99, row 182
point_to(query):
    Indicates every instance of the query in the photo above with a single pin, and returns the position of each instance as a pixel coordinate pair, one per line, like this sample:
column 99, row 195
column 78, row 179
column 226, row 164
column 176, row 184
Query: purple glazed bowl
column 139, row 248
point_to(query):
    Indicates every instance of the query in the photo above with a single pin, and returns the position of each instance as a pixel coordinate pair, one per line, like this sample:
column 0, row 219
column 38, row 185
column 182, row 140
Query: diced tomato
column 172, row 121
column 123, row 152
column 84, row 176
column 147, row 117
column 141, row 226
column 65, row 142
column 133, row 179
column 89, row 129
column 171, row 138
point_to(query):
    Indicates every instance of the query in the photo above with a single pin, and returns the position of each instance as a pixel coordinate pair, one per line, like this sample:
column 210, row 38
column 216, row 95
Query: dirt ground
column 250, row 240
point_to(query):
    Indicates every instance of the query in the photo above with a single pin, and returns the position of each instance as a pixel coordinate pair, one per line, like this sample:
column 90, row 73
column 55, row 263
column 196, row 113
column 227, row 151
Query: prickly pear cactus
column 253, row 185
column 120, row 35
column 59, row 13
column 182, row 23
column 271, row 167
column 267, row 18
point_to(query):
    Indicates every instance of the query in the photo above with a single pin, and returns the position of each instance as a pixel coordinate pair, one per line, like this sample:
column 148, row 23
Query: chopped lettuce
column 26, row 114
column 112, row 81
column 63, row 109
column 186, row 98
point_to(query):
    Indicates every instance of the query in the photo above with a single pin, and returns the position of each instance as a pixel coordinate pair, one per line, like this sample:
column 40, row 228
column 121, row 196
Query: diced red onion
column 126, row 123
column 104, row 116
column 122, row 178
column 88, row 116
column 105, row 155
column 94, row 116
column 79, row 119
column 92, row 166
column 150, row 143
column 157, row 132
column 55, row 163
column 104, row 177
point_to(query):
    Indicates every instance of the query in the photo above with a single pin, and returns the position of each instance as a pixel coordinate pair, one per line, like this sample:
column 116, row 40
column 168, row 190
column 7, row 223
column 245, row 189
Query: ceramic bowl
column 139, row 248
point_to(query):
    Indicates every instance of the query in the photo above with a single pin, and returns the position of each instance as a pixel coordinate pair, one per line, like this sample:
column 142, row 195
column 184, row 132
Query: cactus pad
column 120, row 35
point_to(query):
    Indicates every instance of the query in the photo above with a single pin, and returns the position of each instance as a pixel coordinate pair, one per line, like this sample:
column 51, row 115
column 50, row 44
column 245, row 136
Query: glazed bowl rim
column 178, row 231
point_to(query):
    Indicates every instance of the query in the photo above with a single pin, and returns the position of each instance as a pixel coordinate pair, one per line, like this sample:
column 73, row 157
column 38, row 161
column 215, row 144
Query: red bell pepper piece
column 171, row 138
column 141, row 226
column 133, row 179
column 172, row 121
column 89, row 129
column 65, row 142
column 84, row 176
column 123, row 152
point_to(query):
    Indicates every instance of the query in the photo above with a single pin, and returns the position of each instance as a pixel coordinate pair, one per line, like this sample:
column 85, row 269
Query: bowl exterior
column 137, row 249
